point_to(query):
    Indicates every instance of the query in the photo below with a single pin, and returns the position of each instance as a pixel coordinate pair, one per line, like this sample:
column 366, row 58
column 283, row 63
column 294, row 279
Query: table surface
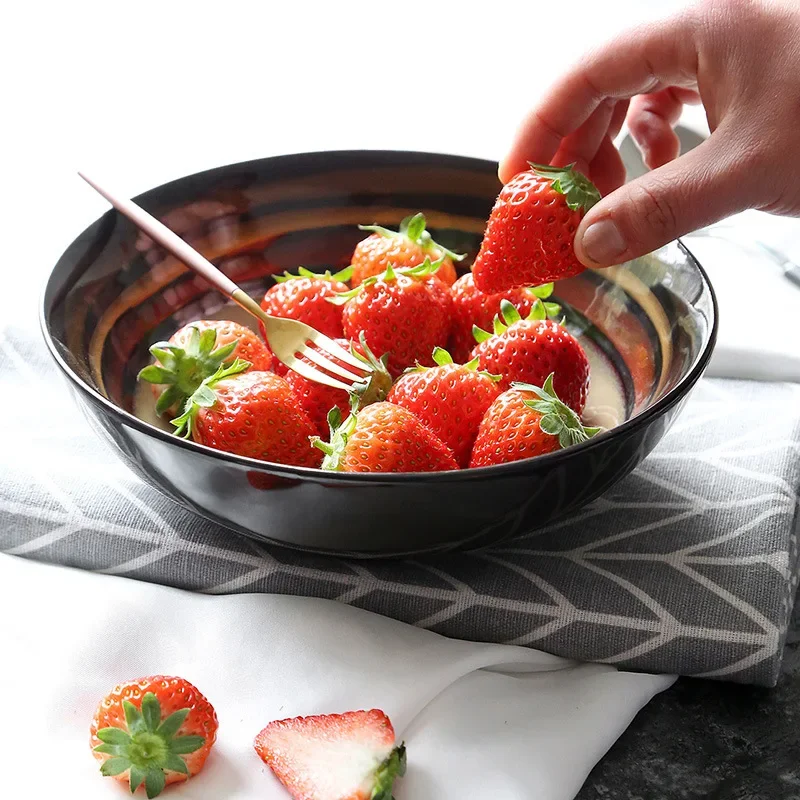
column 142, row 96
column 706, row 739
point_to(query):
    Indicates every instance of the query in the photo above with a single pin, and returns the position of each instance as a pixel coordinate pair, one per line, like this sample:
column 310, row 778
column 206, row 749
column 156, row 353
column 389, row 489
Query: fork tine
column 337, row 351
column 331, row 366
column 307, row 371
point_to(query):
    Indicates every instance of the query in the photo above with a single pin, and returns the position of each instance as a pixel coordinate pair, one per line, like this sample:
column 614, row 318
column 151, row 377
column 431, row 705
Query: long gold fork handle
column 168, row 239
column 242, row 299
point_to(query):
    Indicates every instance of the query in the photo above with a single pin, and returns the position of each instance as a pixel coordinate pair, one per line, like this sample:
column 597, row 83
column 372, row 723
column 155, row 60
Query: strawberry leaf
column 183, row 369
column 113, row 736
column 542, row 292
column 186, row 744
column 175, row 763
column 441, row 356
column 557, row 418
column 342, row 276
column 413, row 228
column 133, row 717
column 154, row 782
column 171, row 725
column 114, row 766
column 151, row 711
column 205, row 397
column 137, row 777
column 579, row 192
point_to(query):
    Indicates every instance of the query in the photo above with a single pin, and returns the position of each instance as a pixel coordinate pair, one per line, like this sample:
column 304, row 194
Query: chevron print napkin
column 688, row 566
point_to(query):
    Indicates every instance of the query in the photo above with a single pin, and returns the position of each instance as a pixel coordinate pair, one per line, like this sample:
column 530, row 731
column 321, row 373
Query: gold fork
column 288, row 339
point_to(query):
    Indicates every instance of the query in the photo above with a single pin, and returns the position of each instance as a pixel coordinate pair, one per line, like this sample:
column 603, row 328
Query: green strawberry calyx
column 558, row 419
column 442, row 358
column 380, row 381
column 421, row 272
column 414, row 228
column 183, row 369
column 147, row 745
column 393, row 767
column 205, row 397
column 509, row 315
column 579, row 192
column 342, row 276
column 340, row 433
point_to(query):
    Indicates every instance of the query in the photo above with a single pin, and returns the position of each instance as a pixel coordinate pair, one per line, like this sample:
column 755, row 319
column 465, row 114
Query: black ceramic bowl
column 113, row 293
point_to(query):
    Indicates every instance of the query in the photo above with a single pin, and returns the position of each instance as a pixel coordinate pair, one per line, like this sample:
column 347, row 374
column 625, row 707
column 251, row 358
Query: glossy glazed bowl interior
column 113, row 293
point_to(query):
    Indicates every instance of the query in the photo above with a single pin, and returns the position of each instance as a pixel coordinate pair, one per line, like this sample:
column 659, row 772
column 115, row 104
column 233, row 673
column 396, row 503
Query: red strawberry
column 254, row 414
column 317, row 400
column 195, row 352
column 305, row 297
column 450, row 399
column 472, row 307
column 526, row 421
column 383, row 437
column 348, row 756
column 153, row 731
column 402, row 313
column 528, row 350
column 407, row 248
column 531, row 230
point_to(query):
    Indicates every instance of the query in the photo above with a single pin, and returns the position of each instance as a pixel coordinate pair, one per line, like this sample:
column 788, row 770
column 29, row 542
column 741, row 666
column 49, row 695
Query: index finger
column 641, row 60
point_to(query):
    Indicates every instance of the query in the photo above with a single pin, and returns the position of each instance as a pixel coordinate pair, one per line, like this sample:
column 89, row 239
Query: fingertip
column 599, row 241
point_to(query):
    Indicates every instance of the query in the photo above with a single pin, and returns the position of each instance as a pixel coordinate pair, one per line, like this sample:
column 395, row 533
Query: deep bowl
column 113, row 293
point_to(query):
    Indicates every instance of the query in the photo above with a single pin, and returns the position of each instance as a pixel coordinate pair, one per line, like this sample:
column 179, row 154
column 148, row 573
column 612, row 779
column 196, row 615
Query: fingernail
column 603, row 243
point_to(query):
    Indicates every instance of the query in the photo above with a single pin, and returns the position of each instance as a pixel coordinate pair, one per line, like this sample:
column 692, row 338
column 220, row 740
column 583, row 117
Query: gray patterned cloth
column 688, row 566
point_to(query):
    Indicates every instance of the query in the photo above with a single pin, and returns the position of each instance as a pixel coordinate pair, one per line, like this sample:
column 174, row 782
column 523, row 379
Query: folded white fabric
column 759, row 305
column 482, row 722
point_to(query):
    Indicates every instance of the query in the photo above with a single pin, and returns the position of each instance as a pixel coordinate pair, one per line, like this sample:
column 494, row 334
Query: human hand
column 741, row 59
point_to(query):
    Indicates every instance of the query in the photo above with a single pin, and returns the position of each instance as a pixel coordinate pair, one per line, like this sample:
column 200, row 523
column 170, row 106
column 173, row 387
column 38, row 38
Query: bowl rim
column 495, row 471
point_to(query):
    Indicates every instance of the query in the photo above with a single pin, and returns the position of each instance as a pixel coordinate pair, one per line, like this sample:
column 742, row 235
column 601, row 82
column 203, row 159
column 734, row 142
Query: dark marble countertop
column 709, row 739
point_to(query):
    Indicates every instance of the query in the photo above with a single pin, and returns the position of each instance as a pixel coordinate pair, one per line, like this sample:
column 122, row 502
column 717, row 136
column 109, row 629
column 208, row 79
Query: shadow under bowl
column 114, row 292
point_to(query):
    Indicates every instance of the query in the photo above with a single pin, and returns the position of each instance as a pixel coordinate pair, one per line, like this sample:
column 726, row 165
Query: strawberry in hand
column 449, row 398
column 349, row 756
column 401, row 312
column 382, row 437
column 195, row 352
column 530, row 349
column 527, row 421
column 252, row 414
column 408, row 247
column 154, row 731
column 529, row 239
column 304, row 297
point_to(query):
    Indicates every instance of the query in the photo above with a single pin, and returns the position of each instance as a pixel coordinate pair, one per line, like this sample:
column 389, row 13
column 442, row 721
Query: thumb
column 707, row 184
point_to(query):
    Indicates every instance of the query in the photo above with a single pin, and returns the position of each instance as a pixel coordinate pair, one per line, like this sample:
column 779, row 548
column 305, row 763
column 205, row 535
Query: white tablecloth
column 531, row 725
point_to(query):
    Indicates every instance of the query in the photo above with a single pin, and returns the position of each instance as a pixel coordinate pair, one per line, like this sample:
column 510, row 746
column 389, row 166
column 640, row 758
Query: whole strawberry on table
column 153, row 731
column 512, row 385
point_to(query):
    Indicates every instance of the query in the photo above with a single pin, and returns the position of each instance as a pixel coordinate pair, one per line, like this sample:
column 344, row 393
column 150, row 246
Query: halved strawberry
column 449, row 398
column 529, row 239
column 528, row 350
column 349, row 756
column 195, row 352
column 305, row 296
column 472, row 307
column 400, row 312
column 153, row 731
column 408, row 247
column 527, row 421
column 383, row 437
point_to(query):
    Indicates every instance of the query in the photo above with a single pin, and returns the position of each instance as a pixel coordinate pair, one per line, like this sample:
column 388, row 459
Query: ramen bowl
column 650, row 325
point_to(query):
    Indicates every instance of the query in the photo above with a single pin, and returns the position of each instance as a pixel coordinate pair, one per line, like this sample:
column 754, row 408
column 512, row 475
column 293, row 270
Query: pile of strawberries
column 466, row 372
